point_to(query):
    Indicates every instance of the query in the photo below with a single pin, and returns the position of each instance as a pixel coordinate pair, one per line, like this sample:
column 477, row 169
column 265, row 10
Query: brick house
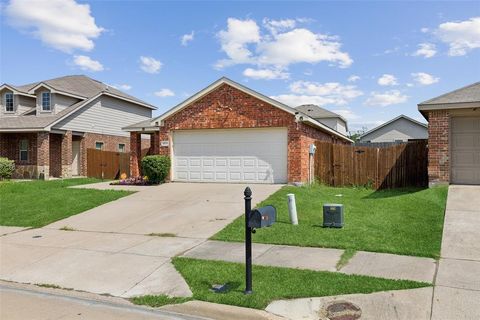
column 454, row 136
column 47, row 126
column 230, row 133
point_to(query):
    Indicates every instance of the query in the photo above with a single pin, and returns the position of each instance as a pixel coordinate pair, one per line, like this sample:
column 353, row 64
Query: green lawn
column 400, row 221
column 38, row 203
column 269, row 284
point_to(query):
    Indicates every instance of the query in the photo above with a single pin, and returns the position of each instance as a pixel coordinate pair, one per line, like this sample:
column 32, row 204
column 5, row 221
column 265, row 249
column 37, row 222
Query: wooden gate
column 107, row 164
column 401, row 165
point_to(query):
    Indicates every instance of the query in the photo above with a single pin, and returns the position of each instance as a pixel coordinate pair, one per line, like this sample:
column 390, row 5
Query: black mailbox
column 262, row 217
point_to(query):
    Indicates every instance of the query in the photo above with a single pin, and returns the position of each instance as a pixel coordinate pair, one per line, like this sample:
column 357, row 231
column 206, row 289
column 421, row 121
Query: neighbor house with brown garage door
column 454, row 136
column 230, row 133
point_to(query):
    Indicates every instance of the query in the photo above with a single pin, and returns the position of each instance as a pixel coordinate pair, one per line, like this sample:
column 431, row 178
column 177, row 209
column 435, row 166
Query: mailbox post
column 248, row 240
column 254, row 219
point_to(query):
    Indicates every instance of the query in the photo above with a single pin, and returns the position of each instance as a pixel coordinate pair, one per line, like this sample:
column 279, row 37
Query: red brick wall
column 56, row 155
column 56, row 150
column 438, row 146
column 240, row 110
column 10, row 147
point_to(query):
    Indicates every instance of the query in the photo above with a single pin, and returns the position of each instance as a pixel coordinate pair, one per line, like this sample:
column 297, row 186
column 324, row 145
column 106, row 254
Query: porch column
column 43, row 155
column 135, row 153
column 67, row 154
column 155, row 143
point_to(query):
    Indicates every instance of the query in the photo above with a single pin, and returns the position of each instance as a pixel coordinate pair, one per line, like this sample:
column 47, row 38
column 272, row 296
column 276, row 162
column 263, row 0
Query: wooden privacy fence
column 396, row 166
column 107, row 164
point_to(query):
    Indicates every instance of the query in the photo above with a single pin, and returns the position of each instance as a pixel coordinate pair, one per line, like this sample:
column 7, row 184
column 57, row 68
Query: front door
column 75, row 158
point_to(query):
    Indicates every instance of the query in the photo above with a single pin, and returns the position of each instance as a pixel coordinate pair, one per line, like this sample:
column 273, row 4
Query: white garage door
column 231, row 155
column 465, row 150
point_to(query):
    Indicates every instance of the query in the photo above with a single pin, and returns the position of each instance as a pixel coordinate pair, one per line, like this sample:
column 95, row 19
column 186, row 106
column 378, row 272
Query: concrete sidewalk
column 457, row 286
column 320, row 259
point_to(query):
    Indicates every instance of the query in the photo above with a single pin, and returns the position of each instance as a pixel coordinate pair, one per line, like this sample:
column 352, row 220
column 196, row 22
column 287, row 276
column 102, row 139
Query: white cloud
column 150, row 65
column 424, row 79
column 235, row 39
column 283, row 44
column 62, row 24
column 266, row 74
column 427, row 50
column 302, row 45
column 162, row 93
column 353, row 78
column 347, row 114
column 461, row 37
column 87, row 63
column 279, row 25
column 386, row 98
column 424, row 30
column 295, row 100
column 331, row 93
column 186, row 38
column 124, row 86
column 387, row 80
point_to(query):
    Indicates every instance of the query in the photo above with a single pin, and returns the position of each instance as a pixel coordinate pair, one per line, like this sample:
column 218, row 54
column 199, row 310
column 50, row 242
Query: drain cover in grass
column 340, row 310
column 220, row 288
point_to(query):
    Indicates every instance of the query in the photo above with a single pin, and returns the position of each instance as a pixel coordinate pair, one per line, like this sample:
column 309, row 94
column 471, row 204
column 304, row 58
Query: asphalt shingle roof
column 316, row 112
column 470, row 93
column 78, row 85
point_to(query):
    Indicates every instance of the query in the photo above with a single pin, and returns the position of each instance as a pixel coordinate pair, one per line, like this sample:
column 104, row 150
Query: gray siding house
column 399, row 129
column 47, row 126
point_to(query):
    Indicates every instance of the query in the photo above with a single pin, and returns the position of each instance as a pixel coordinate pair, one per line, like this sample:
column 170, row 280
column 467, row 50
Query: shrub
column 7, row 168
column 156, row 168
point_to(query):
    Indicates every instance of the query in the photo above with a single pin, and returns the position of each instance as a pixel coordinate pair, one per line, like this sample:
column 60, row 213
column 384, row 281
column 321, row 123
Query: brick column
column 135, row 153
column 155, row 143
column 67, row 154
column 43, row 155
column 438, row 147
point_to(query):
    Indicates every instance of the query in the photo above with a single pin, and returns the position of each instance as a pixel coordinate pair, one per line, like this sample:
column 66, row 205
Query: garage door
column 465, row 151
column 232, row 155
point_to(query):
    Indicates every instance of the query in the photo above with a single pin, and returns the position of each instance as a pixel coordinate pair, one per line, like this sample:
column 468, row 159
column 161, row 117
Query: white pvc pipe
column 292, row 209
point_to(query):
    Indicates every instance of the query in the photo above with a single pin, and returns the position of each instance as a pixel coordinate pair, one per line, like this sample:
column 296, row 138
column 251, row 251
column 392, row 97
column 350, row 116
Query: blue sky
column 369, row 61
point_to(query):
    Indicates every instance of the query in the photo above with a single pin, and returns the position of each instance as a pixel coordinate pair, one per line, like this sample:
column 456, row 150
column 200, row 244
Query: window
column 9, row 102
column 99, row 145
column 121, row 147
column 46, row 101
column 24, row 150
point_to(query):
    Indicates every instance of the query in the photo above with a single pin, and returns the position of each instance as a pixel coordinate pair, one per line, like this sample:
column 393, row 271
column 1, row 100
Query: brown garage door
column 465, row 153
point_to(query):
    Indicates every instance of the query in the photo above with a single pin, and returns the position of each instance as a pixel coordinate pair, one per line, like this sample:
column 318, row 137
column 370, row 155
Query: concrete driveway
column 110, row 250
column 457, row 286
column 195, row 210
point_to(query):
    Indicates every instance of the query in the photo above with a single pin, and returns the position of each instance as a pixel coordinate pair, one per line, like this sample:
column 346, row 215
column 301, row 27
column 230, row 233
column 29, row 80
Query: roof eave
column 143, row 104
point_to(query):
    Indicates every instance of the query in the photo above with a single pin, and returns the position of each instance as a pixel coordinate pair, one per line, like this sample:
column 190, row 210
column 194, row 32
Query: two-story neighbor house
column 47, row 126
column 326, row 117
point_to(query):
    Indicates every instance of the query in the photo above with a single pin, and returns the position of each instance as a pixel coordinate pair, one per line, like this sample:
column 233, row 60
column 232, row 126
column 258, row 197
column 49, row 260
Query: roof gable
column 402, row 116
column 155, row 122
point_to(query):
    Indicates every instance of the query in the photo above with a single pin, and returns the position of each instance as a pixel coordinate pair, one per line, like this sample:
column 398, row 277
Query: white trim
column 49, row 102
column 15, row 91
column 20, row 149
column 53, row 90
column 391, row 121
column 24, row 130
column 103, row 145
column 275, row 103
column 5, row 102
